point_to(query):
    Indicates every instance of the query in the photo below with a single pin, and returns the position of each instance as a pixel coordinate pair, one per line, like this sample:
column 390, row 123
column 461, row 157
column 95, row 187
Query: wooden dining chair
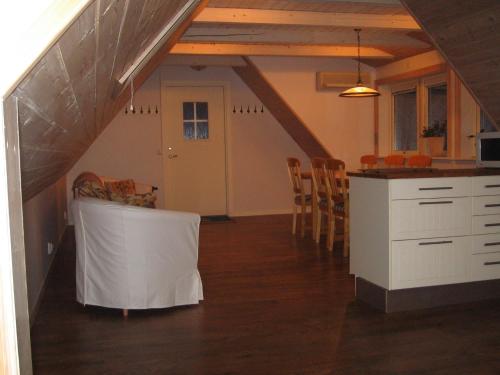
column 420, row 161
column 300, row 198
column 394, row 161
column 337, row 178
column 323, row 191
column 368, row 161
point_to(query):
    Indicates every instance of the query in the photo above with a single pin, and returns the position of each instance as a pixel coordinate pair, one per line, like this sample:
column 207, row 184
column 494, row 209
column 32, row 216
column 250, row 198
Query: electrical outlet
column 50, row 247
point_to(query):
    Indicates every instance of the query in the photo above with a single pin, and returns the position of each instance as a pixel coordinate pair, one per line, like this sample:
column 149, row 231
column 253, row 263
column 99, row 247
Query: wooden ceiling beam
column 235, row 49
column 281, row 17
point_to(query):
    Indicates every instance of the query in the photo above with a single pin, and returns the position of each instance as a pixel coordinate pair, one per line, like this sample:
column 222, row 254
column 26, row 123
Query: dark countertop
column 398, row 173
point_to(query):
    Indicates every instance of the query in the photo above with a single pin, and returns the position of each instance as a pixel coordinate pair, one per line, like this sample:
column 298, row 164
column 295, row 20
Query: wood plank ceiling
column 245, row 25
column 467, row 33
column 72, row 93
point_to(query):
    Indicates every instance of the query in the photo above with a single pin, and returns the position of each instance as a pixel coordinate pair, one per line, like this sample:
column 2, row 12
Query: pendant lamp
column 360, row 90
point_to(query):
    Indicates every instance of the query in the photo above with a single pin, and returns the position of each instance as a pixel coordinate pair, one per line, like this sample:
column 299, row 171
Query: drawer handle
column 436, row 188
column 492, row 225
column 492, row 205
column 492, row 186
column 492, row 244
column 434, row 243
column 491, row 263
column 438, row 202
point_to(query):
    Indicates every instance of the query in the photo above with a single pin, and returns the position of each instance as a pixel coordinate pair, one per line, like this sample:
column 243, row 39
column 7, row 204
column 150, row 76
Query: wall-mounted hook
column 156, row 109
column 248, row 109
column 133, row 110
column 262, row 109
column 149, row 108
column 241, row 109
column 126, row 110
column 141, row 110
column 234, row 109
column 255, row 108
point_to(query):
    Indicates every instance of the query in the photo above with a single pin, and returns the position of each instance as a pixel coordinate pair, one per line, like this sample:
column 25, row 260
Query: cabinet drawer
column 429, row 262
column 486, row 185
column 428, row 218
column 486, row 205
column 430, row 188
column 486, row 243
column 486, row 224
column 485, row 266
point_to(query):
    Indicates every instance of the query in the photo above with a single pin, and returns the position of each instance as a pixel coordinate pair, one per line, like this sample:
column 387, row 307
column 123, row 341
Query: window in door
column 405, row 131
column 195, row 120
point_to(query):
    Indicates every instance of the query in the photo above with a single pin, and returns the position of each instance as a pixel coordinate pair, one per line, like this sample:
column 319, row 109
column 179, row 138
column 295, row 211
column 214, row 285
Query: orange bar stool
column 368, row 161
column 394, row 161
column 420, row 161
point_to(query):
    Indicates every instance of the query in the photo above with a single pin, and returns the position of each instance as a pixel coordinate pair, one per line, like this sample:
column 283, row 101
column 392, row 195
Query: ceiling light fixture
column 360, row 90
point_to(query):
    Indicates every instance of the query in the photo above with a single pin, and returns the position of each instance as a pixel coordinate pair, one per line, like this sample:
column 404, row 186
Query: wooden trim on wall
column 376, row 134
column 450, row 115
column 458, row 116
column 414, row 74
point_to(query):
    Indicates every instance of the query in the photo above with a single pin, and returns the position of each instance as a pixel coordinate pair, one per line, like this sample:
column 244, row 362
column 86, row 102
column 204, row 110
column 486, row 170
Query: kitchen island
column 425, row 237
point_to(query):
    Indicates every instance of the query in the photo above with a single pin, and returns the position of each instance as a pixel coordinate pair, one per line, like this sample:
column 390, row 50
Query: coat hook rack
column 132, row 109
column 249, row 108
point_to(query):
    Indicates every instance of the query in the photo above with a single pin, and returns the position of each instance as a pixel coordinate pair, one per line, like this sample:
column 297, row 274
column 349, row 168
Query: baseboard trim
column 425, row 297
column 36, row 307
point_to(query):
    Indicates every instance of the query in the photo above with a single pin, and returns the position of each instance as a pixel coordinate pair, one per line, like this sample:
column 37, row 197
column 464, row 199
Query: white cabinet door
column 415, row 188
column 486, row 185
column 486, row 243
column 428, row 218
column 486, row 224
column 429, row 262
column 485, row 266
column 486, row 205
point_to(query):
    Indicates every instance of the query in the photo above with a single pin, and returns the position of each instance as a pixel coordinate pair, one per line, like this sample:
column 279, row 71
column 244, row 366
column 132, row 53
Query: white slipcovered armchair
column 135, row 258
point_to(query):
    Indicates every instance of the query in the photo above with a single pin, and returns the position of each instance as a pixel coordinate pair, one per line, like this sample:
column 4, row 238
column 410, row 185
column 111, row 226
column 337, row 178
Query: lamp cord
column 359, row 57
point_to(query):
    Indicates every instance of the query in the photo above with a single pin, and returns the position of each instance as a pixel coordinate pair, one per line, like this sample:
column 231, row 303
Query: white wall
column 44, row 222
column 257, row 145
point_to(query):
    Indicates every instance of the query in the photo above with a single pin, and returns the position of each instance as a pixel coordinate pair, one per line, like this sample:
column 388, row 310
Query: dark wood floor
column 273, row 305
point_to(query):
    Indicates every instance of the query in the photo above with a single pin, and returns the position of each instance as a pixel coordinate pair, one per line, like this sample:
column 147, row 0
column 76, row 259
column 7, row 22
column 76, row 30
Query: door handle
column 435, row 188
column 434, row 243
column 492, row 205
column 438, row 202
column 172, row 156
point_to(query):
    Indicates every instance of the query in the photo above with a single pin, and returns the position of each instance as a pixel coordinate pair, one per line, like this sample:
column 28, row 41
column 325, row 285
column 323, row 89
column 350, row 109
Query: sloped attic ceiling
column 468, row 35
column 73, row 92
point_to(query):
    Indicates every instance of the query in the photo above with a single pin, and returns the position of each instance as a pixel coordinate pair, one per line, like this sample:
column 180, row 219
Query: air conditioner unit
column 334, row 80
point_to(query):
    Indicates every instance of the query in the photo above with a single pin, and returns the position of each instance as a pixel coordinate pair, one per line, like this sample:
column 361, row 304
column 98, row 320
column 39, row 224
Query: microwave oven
column 488, row 150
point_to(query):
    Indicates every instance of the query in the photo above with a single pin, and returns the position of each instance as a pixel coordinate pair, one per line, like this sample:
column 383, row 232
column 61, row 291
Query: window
column 437, row 110
column 418, row 104
column 486, row 125
column 195, row 120
column 405, row 120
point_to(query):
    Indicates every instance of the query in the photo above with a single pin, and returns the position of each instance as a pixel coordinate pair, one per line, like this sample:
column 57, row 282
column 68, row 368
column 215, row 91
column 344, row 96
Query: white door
column 194, row 155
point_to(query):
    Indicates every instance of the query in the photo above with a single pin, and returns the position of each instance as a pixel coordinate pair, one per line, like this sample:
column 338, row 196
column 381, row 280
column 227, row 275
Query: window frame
column 399, row 88
column 421, row 85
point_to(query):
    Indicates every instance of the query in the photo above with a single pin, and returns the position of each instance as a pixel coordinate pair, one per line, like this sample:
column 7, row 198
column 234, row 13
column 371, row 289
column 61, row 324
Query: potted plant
column 434, row 137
